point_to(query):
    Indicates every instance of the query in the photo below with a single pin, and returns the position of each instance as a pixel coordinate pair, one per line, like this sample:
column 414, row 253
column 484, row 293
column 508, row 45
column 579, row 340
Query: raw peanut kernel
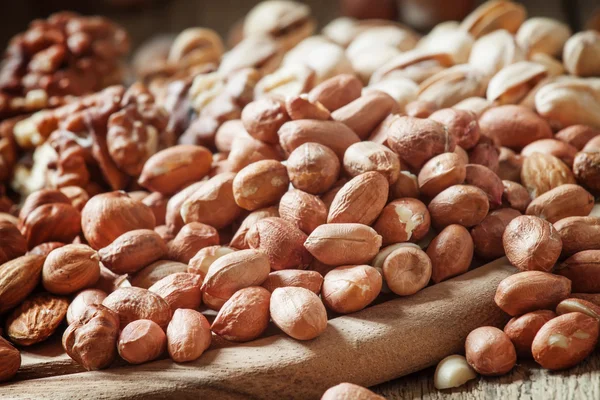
column 407, row 270
column 350, row 288
column 487, row 236
column 451, row 253
column 304, row 210
column 298, row 312
column 489, row 351
column 368, row 156
column 564, row 201
column 313, row 168
column 583, row 270
column 522, row 330
column 360, row 200
column 343, row 244
column 440, row 173
column 188, row 335
column 453, row 371
column 465, row 205
column 141, row 341
column 403, row 220
column 311, row 280
column 260, row 184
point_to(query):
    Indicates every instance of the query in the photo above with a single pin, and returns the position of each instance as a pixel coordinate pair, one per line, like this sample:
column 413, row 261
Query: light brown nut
column 328, row 196
column 236, row 271
column 56, row 222
column 212, row 203
column 6, row 217
column 311, row 280
column 227, row 133
column 514, row 126
column 188, row 335
column 146, row 244
column 172, row 169
column 476, row 105
column 486, row 180
column 141, row 341
column 262, row 119
column 544, row 172
column 580, row 54
column 191, row 238
column 350, row 288
column 288, row 80
column 247, row 150
column 154, row 272
column 18, row 278
column 81, row 301
column 36, row 319
column 530, row 243
column 489, row 351
column 565, row 341
column 245, row 316
column 180, row 290
column 10, row 358
column 530, row 291
column 44, row 249
column 336, row 92
column 577, row 135
column 70, row 268
column 494, row 15
column 256, row 51
column 333, row 134
column 461, row 124
column 509, row 165
column 368, row 156
column 173, row 218
column 515, row 82
column 343, row 244
column 583, row 269
column 418, row 140
column 407, row 270
column 578, row 234
column 452, row 85
column 485, row 153
column 281, row 241
column 586, row 168
column 421, row 108
column 107, row 216
column 563, row 151
column 403, row 220
column 91, row 339
column 515, row 196
column 406, row 186
column 133, row 303
column 487, row 236
column 578, row 305
column 40, row 198
column 300, row 107
column 304, row 210
column 313, row 168
column 465, row 205
column 450, row 252
column 360, row 200
column 593, row 145
column 349, row 391
column 12, row 242
column 441, row 172
column 561, row 202
column 543, row 35
column 298, row 312
column 260, row 184
column 238, row 240
column 365, row 113
column 157, row 202
column 109, row 281
column 453, row 371
column 138, row 195
column 379, row 135
column 201, row 262
column 522, row 330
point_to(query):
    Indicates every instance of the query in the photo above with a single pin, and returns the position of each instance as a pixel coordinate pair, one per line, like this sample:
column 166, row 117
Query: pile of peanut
column 295, row 178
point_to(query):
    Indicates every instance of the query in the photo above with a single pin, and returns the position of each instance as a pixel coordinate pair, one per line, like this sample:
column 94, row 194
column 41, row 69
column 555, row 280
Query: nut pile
column 295, row 178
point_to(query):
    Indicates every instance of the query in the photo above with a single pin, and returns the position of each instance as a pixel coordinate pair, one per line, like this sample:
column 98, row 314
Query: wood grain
column 369, row 347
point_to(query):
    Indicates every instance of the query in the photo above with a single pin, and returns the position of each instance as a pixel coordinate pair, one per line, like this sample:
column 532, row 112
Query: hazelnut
column 489, row 351
column 141, row 341
column 12, row 243
column 81, row 301
column 70, row 268
column 56, row 222
column 188, row 335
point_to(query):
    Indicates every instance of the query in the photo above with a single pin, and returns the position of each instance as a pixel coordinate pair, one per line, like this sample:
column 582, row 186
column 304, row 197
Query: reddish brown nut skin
column 522, row 330
column 583, row 270
column 39, row 198
column 530, row 243
column 485, row 153
column 564, row 151
column 180, row 290
column 311, row 280
column 188, row 335
column 515, row 196
column 336, row 92
column 490, row 352
column 465, row 205
column 487, row 236
column 407, row 270
column 461, row 124
column 487, row 180
column 11, row 360
column 146, row 244
column 12, row 242
column 191, row 238
column 578, row 334
column 133, row 303
column 350, row 391
column 586, row 167
column 262, row 119
column 418, row 140
column 333, row 134
column 238, row 240
column 351, row 288
column 403, row 220
column 451, row 253
column 564, row 201
column 509, row 165
column 420, row 109
column 365, row 113
column 313, row 168
column 440, row 173
column 141, row 341
column 56, row 222
column 577, row 135
column 304, row 210
column 260, row 184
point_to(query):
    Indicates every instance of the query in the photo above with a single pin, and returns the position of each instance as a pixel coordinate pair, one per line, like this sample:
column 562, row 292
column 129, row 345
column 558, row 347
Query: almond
column 133, row 303
column 311, row 280
column 212, row 203
column 10, row 359
column 260, row 184
column 36, row 319
column 180, row 290
column 522, row 330
column 70, row 268
column 544, row 172
column 350, row 288
column 313, row 168
column 366, row 112
column 239, row 238
column 368, row 156
column 154, row 272
column 172, row 169
column 530, row 243
column 245, row 316
column 565, row 341
column 403, row 220
column 146, row 244
column 304, row 210
column 343, row 244
column 440, row 173
column 56, row 222
column 336, row 92
column 530, row 291
column 201, row 262
column 81, row 301
column 563, row 201
column 583, row 269
column 298, row 312
column 333, row 134
column 461, row 124
column 188, row 335
column 12, row 243
column 191, row 238
column 465, row 205
column 262, row 119
column 281, row 241
column 451, row 253
column 487, row 236
column 18, row 278
column 360, row 200
column 515, row 196
column 487, row 180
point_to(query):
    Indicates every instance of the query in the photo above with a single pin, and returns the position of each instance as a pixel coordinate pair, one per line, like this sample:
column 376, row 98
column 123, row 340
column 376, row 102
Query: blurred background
column 146, row 18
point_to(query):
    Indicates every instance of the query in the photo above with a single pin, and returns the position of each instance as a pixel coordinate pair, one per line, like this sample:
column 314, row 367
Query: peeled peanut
column 489, row 351
column 141, row 341
column 403, row 220
column 451, row 252
column 360, row 200
column 260, row 184
column 407, row 270
column 453, row 371
column 350, row 288
column 188, row 335
column 343, row 244
column 298, row 312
